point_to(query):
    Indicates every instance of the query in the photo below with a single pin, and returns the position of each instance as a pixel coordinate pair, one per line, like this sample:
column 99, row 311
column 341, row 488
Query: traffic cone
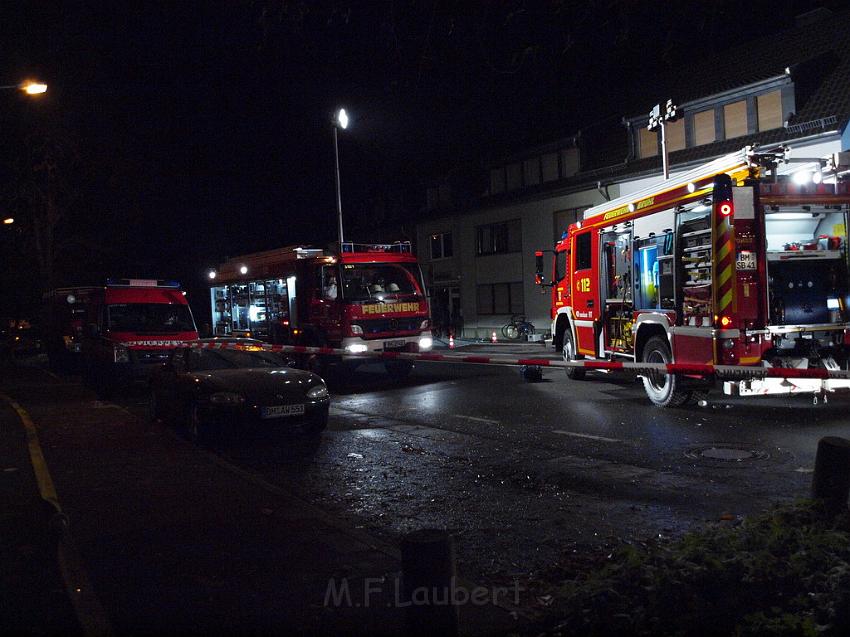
column 451, row 341
column 493, row 338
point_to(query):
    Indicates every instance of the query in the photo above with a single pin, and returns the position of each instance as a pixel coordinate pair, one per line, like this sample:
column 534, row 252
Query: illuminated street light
column 33, row 88
column 243, row 269
column 28, row 87
column 8, row 221
column 211, row 274
column 340, row 121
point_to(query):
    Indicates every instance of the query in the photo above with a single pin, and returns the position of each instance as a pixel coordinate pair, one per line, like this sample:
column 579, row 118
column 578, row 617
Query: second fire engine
column 362, row 298
column 742, row 261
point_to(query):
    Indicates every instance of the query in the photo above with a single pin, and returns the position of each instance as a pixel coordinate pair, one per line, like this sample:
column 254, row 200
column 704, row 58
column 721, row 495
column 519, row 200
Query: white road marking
column 804, row 470
column 487, row 420
column 588, row 436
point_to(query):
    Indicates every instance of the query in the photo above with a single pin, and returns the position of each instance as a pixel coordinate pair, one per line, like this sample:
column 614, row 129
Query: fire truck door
column 585, row 289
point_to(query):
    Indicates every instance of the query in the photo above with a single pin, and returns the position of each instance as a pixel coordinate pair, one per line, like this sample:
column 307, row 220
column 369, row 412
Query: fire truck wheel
column 398, row 370
column 569, row 352
column 664, row 390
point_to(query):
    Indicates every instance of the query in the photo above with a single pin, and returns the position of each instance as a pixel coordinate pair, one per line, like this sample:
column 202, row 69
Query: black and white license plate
column 399, row 344
column 281, row 411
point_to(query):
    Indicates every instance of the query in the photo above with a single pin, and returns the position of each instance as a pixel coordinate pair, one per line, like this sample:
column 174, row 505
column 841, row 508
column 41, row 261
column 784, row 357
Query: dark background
column 176, row 134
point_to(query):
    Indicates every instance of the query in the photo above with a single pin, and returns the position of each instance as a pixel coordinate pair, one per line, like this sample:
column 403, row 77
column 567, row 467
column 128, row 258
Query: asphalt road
column 522, row 472
column 524, row 475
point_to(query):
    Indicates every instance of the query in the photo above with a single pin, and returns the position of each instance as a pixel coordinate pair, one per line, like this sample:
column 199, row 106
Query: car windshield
column 205, row 359
column 150, row 318
column 379, row 281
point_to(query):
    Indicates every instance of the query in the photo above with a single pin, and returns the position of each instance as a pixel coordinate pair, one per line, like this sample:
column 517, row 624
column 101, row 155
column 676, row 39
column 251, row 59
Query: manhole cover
column 729, row 453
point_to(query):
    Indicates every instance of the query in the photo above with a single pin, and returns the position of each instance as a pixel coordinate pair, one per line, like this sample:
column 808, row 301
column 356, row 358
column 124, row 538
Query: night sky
column 181, row 133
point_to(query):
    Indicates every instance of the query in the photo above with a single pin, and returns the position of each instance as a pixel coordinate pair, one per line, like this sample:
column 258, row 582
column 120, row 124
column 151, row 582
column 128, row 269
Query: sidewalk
column 176, row 539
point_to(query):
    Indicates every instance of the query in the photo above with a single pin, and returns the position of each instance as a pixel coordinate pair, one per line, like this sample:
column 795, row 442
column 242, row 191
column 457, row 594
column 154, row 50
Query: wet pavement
column 520, row 473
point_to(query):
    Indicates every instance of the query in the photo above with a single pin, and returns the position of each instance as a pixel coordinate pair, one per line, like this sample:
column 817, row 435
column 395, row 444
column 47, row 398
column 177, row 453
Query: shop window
column 500, row 298
column 735, row 118
column 499, row 238
column 704, row 132
column 769, row 107
column 441, row 245
column 647, row 142
column 675, row 134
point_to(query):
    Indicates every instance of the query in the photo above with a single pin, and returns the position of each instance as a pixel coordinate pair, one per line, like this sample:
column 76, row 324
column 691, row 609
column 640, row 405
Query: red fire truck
column 366, row 297
column 132, row 324
column 742, row 261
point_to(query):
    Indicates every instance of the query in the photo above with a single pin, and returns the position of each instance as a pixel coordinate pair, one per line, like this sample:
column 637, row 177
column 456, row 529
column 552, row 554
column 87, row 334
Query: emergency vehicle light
column 725, row 208
column 142, row 283
column 725, row 321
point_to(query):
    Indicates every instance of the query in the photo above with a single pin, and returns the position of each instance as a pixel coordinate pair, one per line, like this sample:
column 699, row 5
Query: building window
column 647, row 142
column 735, row 119
column 514, row 176
column 563, row 219
column 769, row 107
column 675, row 134
column 499, row 238
column 531, row 171
column 569, row 162
column 497, row 181
column 549, row 163
column 441, row 246
column 704, row 132
column 583, row 258
column 500, row 298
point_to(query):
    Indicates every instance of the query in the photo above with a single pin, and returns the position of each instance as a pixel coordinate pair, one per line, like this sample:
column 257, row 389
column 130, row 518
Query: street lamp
column 340, row 121
column 8, row 221
column 28, row 87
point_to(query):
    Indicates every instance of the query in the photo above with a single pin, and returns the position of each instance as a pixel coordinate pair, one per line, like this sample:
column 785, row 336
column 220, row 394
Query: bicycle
column 517, row 327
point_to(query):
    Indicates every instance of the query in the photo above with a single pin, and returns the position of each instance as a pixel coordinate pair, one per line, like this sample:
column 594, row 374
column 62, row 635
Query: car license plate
column 280, row 411
column 394, row 344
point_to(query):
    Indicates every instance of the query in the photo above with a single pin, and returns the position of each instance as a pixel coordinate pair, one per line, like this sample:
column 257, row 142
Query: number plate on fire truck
column 389, row 345
column 746, row 260
column 279, row 411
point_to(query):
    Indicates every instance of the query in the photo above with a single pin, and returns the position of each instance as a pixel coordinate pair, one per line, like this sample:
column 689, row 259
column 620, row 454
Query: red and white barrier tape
column 739, row 372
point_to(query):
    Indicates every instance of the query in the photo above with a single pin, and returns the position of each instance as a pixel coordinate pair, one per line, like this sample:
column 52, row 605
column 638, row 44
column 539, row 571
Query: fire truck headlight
column 426, row 342
column 356, row 348
column 425, row 324
column 122, row 354
column 356, row 330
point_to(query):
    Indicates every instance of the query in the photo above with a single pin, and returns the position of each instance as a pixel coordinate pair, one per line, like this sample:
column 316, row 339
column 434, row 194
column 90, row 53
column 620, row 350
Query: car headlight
column 318, row 392
column 356, row 330
column 226, row 398
column 121, row 353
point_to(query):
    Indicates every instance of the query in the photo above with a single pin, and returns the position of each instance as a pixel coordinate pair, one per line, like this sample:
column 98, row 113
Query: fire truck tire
column 398, row 370
column 667, row 392
column 569, row 353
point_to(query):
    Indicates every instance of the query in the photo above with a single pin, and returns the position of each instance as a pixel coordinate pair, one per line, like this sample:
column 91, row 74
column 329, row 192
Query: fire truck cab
column 132, row 326
column 363, row 298
column 742, row 261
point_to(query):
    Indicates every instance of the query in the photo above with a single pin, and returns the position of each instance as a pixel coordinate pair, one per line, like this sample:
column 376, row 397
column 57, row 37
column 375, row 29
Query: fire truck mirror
column 539, row 277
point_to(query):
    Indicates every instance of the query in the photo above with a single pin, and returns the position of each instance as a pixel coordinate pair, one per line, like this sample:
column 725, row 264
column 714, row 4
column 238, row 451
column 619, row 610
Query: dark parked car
column 212, row 390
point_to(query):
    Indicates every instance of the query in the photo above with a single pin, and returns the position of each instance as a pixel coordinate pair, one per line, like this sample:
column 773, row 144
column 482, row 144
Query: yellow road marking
column 89, row 612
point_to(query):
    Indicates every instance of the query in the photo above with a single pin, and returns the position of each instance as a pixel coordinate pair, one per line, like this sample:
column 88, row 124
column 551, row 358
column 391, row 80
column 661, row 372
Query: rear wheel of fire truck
column 398, row 370
column 569, row 353
column 664, row 390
